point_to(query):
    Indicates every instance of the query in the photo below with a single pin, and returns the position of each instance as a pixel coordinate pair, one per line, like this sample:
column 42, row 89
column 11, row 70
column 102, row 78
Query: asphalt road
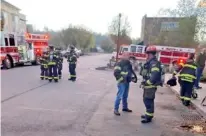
column 31, row 107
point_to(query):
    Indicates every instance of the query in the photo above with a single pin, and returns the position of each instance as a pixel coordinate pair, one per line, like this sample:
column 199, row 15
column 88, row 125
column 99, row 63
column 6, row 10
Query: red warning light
column 46, row 36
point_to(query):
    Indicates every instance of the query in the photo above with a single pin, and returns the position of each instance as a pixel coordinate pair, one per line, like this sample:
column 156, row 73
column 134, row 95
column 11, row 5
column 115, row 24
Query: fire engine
column 28, row 52
column 166, row 54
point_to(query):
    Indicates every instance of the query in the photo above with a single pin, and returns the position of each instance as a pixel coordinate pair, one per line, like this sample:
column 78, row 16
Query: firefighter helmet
column 51, row 47
column 72, row 47
column 58, row 48
column 151, row 49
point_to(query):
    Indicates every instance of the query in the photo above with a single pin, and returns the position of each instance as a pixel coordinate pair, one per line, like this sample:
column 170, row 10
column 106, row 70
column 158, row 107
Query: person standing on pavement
column 72, row 59
column 44, row 66
column 52, row 64
column 60, row 62
column 200, row 61
column 124, row 74
column 151, row 74
column 187, row 77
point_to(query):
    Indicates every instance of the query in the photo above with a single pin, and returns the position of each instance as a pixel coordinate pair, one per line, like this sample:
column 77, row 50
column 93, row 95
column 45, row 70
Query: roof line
column 3, row 1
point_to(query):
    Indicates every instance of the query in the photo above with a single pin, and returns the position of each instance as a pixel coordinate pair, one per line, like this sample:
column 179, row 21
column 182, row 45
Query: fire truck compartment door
column 30, row 51
column 23, row 52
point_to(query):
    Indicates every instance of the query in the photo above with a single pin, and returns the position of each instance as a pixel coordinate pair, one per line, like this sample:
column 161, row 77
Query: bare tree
column 121, row 25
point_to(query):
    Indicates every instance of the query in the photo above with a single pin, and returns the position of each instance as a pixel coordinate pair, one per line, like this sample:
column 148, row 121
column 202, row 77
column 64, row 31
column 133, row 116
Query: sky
column 94, row 14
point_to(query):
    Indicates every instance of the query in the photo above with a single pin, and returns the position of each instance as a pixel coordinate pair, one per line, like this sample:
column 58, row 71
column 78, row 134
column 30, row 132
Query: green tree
column 107, row 45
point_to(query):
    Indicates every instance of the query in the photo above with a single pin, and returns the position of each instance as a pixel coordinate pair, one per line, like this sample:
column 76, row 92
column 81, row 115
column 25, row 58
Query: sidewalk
column 196, row 102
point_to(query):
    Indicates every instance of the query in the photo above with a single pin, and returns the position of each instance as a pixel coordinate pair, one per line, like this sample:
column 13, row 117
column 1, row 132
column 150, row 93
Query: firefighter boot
column 146, row 120
column 42, row 78
column 116, row 112
column 56, row 80
column 143, row 116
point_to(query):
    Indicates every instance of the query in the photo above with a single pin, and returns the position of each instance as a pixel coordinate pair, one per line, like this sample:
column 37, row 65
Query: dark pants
column 60, row 69
column 72, row 71
column 149, row 104
column 186, row 91
column 44, row 71
column 199, row 74
column 53, row 72
column 148, row 99
column 122, row 94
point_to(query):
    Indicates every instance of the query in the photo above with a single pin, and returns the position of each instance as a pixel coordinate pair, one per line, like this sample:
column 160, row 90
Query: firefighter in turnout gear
column 187, row 76
column 52, row 64
column 72, row 60
column 151, row 74
column 124, row 74
column 60, row 62
column 44, row 66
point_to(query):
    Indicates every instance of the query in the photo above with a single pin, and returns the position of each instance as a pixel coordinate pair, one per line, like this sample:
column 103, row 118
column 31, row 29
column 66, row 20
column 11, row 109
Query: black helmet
column 72, row 47
column 51, row 46
column 58, row 48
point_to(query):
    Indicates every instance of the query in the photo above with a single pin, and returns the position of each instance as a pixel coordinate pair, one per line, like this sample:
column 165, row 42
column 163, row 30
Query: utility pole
column 118, row 35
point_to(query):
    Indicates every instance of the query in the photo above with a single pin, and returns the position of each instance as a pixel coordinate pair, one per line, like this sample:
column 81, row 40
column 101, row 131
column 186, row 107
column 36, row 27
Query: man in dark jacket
column 200, row 61
column 124, row 74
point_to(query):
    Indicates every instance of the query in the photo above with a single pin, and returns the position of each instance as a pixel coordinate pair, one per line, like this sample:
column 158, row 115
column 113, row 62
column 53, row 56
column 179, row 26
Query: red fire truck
column 28, row 52
column 166, row 54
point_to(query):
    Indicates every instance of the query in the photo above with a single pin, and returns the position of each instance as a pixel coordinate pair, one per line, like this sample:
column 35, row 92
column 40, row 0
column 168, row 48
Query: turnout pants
column 44, row 71
column 122, row 94
column 53, row 72
column 60, row 70
column 148, row 99
column 186, row 92
column 72, row 71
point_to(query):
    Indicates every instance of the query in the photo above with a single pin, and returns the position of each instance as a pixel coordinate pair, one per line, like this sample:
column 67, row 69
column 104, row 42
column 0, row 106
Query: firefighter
column 124, row 74
column 44, row 66
column 60, row 62
column 52, row 64
column 151, row 74
column 187, row 76
column 72, row 59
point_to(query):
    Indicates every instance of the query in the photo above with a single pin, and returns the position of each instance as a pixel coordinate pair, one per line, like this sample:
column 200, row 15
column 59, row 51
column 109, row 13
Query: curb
column 200, row 111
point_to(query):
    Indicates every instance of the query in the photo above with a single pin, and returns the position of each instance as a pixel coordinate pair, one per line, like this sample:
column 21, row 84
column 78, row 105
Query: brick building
column 167, row 31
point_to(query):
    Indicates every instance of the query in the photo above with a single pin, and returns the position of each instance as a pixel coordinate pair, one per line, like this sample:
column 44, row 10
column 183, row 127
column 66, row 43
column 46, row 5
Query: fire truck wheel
column 7, row 63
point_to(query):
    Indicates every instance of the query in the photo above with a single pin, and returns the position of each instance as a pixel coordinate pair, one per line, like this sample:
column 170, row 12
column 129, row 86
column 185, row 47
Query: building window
column 169, row 26
column 5, row 21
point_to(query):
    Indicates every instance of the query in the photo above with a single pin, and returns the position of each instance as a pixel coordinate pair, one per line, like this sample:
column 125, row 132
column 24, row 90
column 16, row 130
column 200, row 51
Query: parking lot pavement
column 85, row 107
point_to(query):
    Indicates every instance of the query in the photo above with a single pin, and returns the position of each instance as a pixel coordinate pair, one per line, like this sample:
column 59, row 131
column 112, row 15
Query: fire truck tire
column 8, row 62
column 36, row 62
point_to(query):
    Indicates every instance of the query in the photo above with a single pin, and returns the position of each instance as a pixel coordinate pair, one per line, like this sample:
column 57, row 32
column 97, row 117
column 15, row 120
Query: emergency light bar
column 178, row 49
column 29, row 36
